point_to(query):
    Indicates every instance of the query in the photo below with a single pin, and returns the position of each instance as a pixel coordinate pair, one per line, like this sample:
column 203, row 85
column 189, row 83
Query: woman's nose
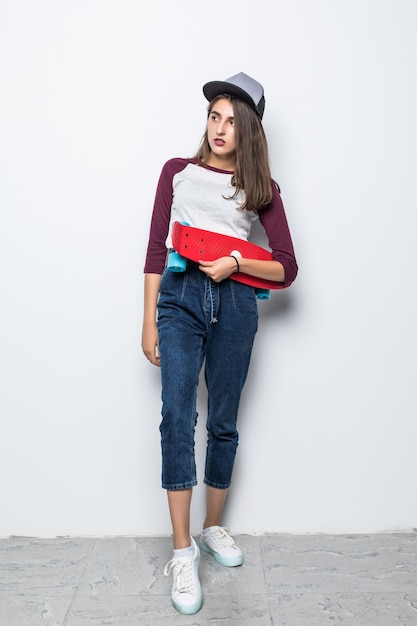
column 220, row 129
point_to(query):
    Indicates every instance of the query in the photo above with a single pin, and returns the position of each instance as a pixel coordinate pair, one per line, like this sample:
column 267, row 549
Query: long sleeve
column 274, row 221
column 156, row 251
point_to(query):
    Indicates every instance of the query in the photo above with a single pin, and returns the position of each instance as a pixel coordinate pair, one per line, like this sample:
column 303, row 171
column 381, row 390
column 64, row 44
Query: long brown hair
column 252, row 172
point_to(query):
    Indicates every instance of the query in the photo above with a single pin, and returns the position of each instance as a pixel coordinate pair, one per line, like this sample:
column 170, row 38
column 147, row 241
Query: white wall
column 95, row 95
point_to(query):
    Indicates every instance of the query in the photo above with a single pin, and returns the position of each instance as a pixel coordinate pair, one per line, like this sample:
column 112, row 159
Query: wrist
column 237, row 269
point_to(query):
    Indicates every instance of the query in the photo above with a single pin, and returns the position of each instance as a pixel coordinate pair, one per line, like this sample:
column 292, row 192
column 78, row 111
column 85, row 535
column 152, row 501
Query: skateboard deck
column 197, row 244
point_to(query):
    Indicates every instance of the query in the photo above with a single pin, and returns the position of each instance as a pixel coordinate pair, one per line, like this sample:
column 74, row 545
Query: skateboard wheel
column 262, row 294
column 176, row 262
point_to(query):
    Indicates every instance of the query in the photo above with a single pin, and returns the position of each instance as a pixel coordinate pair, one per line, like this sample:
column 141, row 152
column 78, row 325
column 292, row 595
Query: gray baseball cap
column 240, row 85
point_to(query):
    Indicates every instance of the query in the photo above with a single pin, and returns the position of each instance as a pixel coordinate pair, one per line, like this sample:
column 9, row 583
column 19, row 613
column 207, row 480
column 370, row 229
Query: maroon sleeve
column 161, row 215
column 274, row 220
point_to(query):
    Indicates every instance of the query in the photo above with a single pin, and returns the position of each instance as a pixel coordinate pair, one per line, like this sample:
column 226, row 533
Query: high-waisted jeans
column 200, row 320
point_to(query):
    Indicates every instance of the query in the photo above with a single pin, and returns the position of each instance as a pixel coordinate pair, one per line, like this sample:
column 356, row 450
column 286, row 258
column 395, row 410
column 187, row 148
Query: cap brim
column 216, row 87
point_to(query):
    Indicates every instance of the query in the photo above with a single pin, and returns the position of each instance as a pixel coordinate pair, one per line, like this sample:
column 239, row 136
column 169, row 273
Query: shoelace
column 222, row 538
column 183, row 574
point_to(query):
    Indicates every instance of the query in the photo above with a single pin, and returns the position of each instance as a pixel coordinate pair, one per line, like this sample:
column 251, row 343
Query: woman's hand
column 219, row 269
column 150, row 342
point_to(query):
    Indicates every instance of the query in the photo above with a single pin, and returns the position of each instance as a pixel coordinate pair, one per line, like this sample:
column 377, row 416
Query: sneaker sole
column 189, row 610
column 223, row 560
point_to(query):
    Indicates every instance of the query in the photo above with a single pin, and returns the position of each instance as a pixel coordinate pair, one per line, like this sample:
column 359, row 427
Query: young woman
column 202, row 316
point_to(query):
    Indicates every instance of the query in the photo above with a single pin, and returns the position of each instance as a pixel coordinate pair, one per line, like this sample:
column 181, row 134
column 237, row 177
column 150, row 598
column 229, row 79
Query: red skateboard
column 197, row 245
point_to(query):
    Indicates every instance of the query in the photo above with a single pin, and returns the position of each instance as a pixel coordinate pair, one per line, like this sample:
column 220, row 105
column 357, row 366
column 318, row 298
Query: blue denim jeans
column 200, row 321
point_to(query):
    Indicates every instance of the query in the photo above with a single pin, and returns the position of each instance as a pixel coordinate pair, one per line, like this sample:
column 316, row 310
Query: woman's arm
column 149, row 329
column 274, row 220
column 271, row 270
column 223, row 267
column 283, row 268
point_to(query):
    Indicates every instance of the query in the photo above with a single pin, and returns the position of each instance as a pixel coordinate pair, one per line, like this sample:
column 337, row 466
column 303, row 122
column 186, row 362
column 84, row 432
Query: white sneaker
column 220, row 544
column 186, row 593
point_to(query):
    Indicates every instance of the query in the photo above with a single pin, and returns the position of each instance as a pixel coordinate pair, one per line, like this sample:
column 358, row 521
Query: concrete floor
column 306, row 580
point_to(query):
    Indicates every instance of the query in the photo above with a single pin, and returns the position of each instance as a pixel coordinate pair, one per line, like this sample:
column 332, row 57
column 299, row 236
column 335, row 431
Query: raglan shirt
column 200, row 195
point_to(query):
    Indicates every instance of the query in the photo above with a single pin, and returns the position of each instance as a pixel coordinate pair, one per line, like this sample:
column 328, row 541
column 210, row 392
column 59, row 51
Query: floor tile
column 355, row 563
column 352, row 609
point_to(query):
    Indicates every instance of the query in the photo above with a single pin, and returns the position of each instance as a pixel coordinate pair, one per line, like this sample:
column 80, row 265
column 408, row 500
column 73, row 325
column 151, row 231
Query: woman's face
column 221, row 134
